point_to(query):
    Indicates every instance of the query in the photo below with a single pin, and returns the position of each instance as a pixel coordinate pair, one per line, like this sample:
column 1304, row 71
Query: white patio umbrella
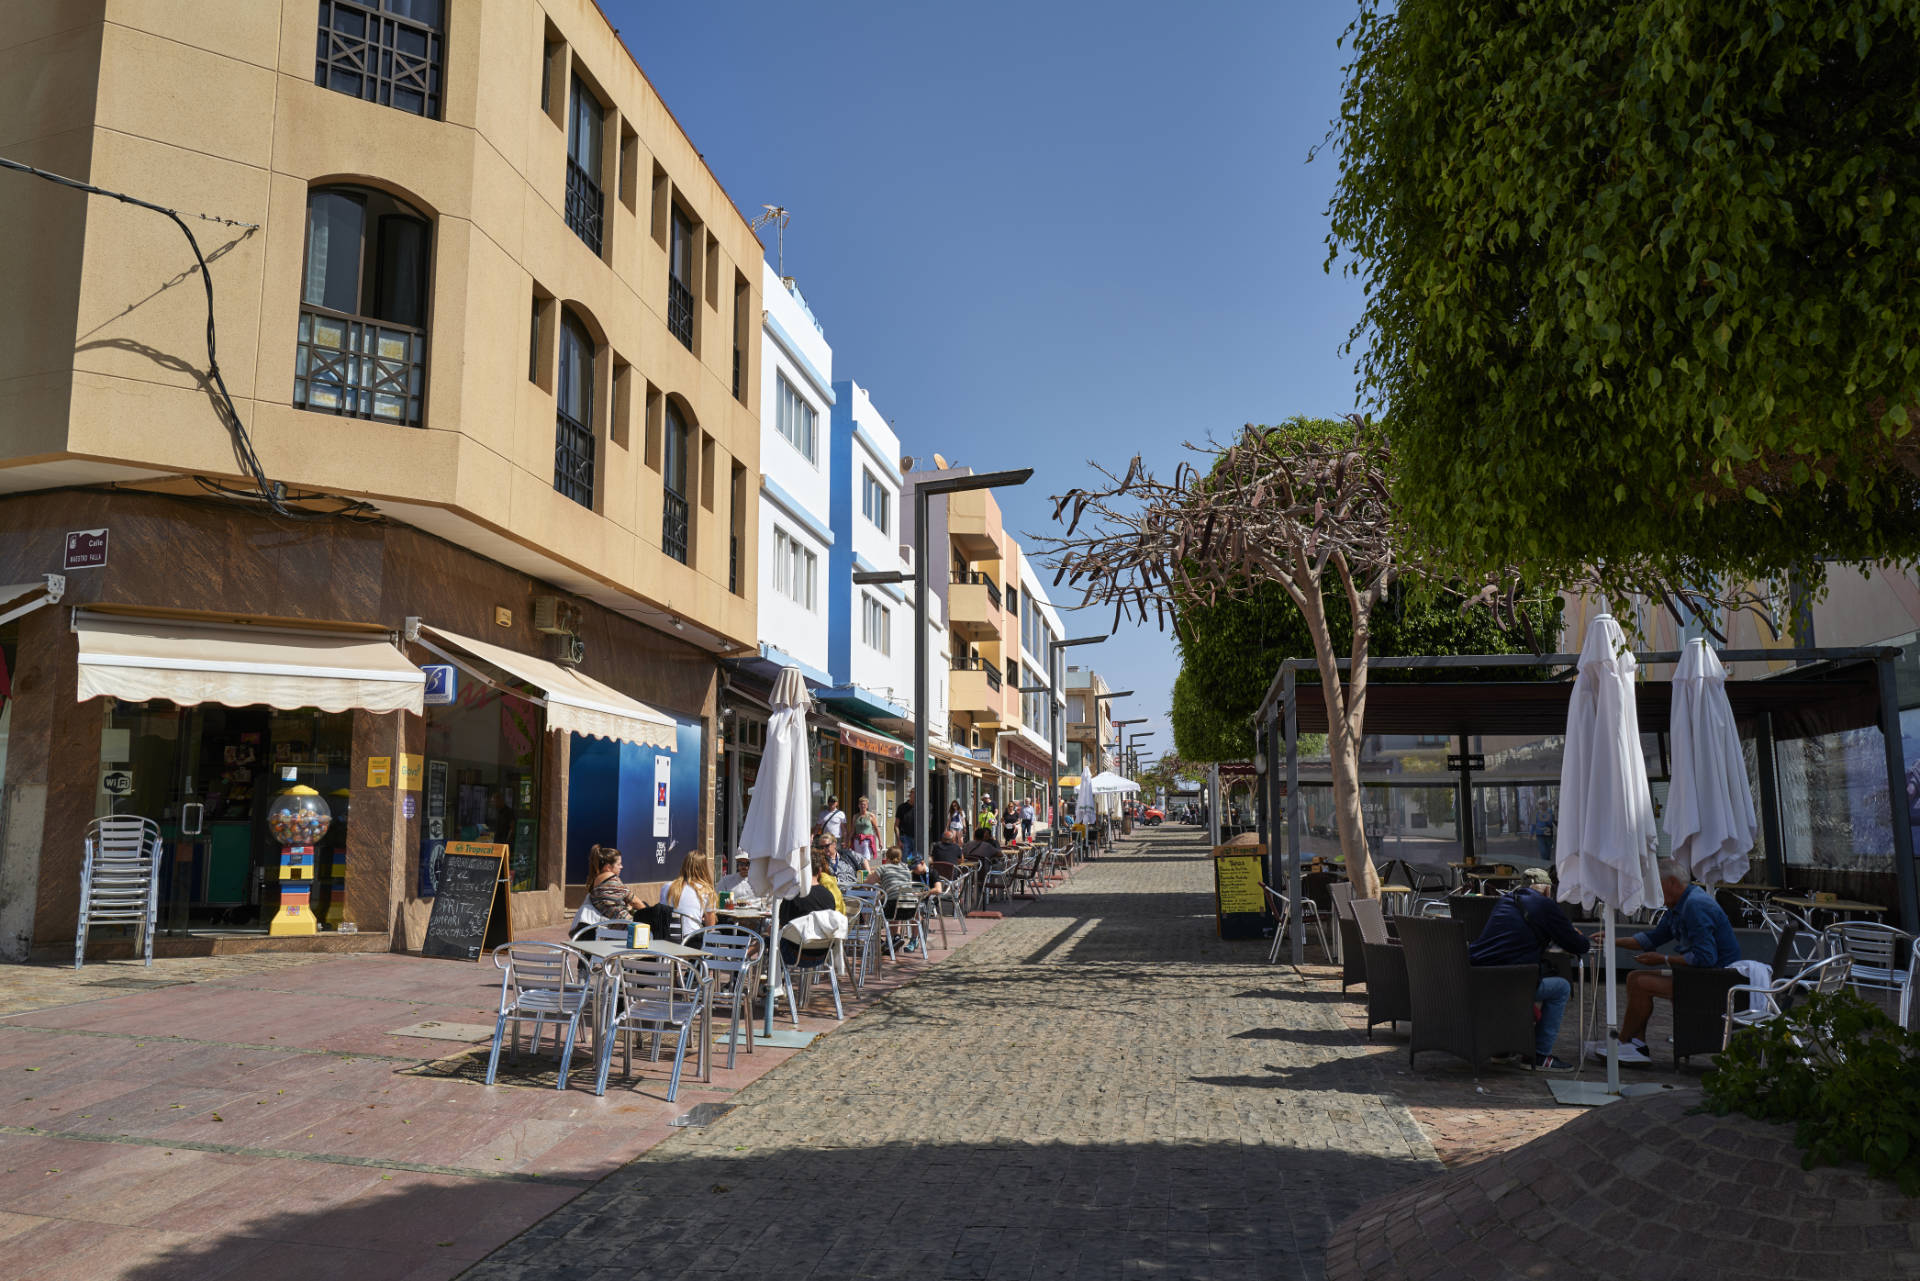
column 1084, row 809
column 1710, row 818
column 1605, row 851
column 777, row 835
column 1107, row 782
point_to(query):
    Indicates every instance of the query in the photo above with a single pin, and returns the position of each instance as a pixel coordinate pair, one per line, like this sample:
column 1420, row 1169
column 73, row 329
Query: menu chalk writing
column 471, row 913
column 1240, row 904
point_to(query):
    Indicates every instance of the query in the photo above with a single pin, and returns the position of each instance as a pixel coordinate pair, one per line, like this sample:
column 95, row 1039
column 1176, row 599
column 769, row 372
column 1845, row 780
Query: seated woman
column 606, row 892
column 691, row 898
column 827, row 869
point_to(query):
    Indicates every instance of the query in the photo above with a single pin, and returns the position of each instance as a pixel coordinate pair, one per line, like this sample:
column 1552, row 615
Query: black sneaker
column 1547, row 1063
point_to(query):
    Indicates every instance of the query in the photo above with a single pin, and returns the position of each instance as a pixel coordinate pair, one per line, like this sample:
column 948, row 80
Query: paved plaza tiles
column 1085, row 1089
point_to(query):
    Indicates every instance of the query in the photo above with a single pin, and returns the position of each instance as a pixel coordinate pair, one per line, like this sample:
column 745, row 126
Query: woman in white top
column 691, row 897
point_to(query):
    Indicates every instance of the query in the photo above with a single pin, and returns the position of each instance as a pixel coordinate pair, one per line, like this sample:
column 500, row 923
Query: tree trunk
column 1343, row 750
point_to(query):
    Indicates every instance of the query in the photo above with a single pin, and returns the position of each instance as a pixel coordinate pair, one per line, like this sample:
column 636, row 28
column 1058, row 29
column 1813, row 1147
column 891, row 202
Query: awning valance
column 576, row 703
column 874, row 743
column 193, row 662
column 958, row 763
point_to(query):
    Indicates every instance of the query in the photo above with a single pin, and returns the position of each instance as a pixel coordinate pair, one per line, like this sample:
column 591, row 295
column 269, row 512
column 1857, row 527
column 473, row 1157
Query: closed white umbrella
column 777, row 836
column 1605, row 850
column 1710, row 819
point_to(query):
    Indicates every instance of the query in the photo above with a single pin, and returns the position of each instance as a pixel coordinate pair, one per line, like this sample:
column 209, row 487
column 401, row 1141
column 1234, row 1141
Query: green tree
column 1231, row 648
column 1640, row 281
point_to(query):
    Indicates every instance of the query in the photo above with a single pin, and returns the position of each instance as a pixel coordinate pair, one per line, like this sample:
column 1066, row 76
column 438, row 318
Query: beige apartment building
column 488, row 324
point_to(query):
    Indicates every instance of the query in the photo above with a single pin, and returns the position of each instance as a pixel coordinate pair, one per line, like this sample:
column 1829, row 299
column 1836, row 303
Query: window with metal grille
column 361, row 350
column 680, row 280
column 586, row 202
column 384, row 51
column 795, row 418
column 876, row 501
column 573, row 418
column 673, row 473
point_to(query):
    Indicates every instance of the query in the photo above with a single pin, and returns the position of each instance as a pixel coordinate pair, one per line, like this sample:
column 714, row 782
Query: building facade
column 487, row 396
column 1089, row 723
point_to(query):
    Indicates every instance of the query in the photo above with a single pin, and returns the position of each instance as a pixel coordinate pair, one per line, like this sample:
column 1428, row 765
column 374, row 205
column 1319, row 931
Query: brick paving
column 1099, row 1087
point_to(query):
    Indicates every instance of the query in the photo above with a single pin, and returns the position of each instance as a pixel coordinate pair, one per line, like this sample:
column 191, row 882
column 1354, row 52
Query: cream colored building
column 489, row 324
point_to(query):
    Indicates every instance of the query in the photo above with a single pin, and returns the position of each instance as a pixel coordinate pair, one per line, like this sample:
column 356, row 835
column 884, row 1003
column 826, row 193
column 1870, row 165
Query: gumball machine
column 298, row 818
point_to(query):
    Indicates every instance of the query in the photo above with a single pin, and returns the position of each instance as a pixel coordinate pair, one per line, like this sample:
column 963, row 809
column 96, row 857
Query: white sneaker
column 1631, row 1053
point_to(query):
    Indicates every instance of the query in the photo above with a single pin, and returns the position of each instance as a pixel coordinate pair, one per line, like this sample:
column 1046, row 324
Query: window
column 795, row 570
column 876, row 501
column 385, row 51
column 673, row 475
column 794, row 417
column 586, row 203
column 742, row 300
column 876, row 625
column 1013, row 599
column 573, row 420
column 362, row 345
column 680, row 280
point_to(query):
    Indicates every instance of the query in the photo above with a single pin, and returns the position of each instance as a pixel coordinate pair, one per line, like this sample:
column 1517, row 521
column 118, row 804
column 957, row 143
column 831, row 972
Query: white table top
column 604, row 948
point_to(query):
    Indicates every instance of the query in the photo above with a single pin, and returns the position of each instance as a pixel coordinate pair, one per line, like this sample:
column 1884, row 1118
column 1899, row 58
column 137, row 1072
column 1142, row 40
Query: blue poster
column 643, row 801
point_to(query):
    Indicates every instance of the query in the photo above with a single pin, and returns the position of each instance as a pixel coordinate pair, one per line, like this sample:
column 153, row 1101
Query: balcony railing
column 359, row 366
column 967, row 663
column 739, row 374
column 673, row 526
column 586, row 205
column 733, row 563
column 965, row 576
column 680, row 312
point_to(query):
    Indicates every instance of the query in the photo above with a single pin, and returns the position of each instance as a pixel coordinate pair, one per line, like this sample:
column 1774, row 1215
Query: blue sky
column 1040, row 233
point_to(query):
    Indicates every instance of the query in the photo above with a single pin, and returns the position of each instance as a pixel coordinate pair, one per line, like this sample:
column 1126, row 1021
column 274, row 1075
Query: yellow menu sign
column 1236, row 879
column 379, row 770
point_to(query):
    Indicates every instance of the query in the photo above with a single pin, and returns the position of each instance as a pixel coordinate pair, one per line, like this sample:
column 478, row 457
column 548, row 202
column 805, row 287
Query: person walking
column 866, row 833
column 1026, row 820
column 833, row 820
column 1010, row 824
column 956, row 821
column 903, row 816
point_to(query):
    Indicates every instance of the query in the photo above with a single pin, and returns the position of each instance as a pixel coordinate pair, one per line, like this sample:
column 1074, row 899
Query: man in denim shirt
column 1700, row 935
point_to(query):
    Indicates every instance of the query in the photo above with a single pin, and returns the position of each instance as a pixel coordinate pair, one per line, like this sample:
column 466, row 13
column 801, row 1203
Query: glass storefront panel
column 483, row 761
column 1834, row 806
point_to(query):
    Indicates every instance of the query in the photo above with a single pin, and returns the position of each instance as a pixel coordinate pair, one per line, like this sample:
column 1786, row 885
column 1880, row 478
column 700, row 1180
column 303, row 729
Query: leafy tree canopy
column 1230, row 650
column 1640, row 279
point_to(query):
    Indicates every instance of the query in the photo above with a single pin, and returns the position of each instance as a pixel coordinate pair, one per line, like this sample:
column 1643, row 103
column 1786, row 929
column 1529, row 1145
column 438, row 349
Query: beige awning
column 955, row 761
column 189, row 662
column 23, row 598
column 576, row 703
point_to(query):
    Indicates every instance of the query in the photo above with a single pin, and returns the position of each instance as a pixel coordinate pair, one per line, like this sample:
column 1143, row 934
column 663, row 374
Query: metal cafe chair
column 1282, row 910
column 734, row 954
column 1874, row 950
column 1750, row 1004
column 656, row 994
column 540, row 981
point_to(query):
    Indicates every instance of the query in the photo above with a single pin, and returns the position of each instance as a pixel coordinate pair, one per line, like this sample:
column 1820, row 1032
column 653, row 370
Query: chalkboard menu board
column 471, row 914
column 1239, row 904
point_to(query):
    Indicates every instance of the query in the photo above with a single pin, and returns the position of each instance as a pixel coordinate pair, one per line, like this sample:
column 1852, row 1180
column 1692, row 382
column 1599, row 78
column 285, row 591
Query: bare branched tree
column 1302, row 506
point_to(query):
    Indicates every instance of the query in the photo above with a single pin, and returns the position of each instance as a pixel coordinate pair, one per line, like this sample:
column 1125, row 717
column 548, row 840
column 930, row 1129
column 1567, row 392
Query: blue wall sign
column 442, row 684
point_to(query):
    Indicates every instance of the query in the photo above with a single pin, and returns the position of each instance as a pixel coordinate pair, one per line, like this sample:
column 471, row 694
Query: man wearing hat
column 735, row 882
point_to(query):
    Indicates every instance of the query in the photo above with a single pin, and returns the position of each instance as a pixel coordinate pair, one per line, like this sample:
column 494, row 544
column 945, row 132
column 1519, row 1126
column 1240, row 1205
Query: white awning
column 24, row 598
column 576, row 703
column 191, row 662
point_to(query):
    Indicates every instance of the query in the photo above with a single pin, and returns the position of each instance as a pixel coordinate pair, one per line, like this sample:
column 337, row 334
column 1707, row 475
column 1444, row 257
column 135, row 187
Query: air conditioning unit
column 572, row 650
column 554, row 616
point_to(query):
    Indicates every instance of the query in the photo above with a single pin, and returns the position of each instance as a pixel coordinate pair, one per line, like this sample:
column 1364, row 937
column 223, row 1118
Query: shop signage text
column 86, row 549
column 411, row 768
column 1472, row 760
column 117, row 782
column 873, row 746
column 442, row 686
column 379, row 771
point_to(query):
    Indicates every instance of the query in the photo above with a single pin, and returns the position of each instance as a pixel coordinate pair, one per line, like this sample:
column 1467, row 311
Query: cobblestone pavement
column 1088, row 1091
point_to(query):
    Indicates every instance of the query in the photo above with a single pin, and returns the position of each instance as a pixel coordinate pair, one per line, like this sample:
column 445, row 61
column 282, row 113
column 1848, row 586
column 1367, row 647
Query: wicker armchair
column 1471, row 1011
column 1474, row 911
column 1388, row 1000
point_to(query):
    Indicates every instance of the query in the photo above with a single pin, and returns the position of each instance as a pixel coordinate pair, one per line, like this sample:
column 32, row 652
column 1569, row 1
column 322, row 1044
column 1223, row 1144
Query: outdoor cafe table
column 1842, row 907
column 599, row 950
column 1400, row 891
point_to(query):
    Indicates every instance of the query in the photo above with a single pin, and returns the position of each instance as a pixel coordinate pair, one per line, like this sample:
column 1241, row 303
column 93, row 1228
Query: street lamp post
column 922, row 694
column 1099, row 742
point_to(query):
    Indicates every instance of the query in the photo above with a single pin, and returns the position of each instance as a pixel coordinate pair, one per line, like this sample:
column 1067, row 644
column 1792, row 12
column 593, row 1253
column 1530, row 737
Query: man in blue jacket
column 1523, row 923
column 1700, row 935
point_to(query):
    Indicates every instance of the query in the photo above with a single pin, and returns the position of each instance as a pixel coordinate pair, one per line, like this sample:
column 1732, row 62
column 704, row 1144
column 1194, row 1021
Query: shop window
column 387, row 51
column 482, row 776
column 362, row 344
